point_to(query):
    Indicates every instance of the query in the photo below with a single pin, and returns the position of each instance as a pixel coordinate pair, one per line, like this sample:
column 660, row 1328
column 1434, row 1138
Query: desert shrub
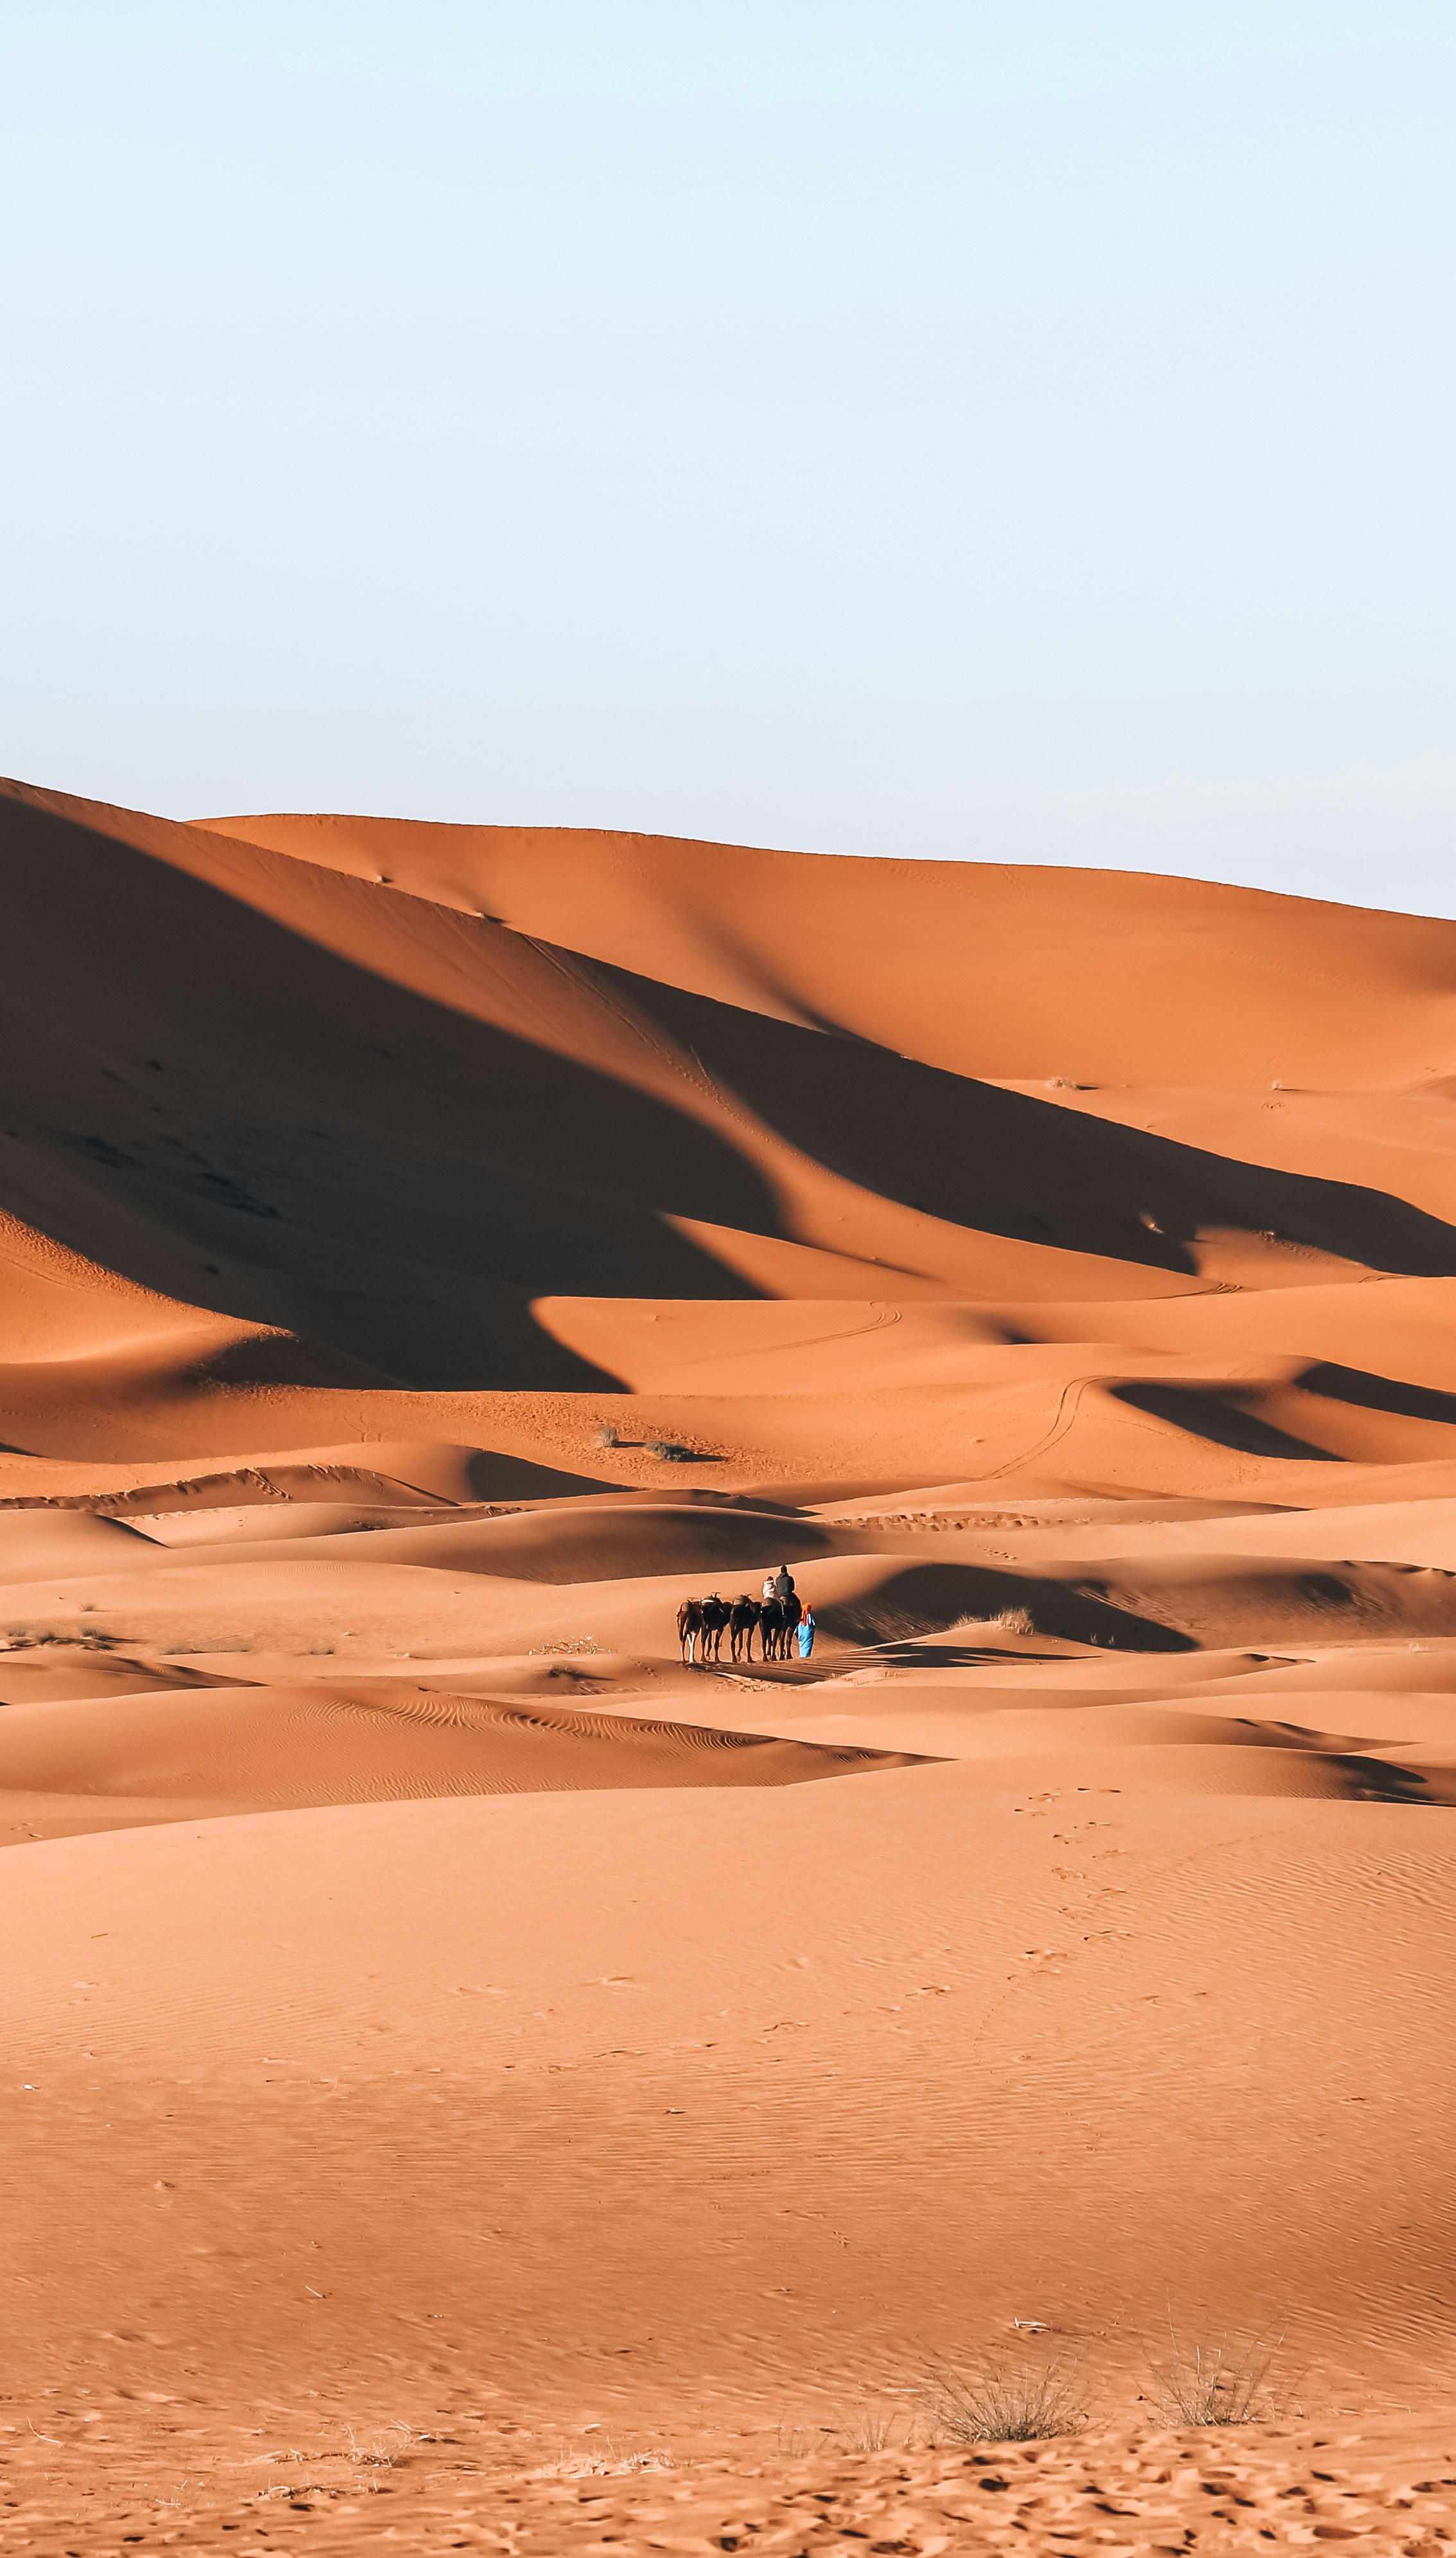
column 385, row 2451
column 868, row 2433
column 1007, row 1621
column 1213, row 2384
column 996, row 2406
column 25, row 1639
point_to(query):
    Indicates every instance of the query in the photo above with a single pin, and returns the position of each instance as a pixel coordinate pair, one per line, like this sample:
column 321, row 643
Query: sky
column 1012, row 431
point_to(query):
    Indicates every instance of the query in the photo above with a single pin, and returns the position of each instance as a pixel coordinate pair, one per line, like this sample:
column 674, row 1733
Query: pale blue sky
column 1020, row 430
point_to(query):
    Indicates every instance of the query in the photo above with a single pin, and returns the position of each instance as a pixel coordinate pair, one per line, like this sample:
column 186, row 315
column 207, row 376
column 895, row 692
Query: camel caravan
column 779, row 1619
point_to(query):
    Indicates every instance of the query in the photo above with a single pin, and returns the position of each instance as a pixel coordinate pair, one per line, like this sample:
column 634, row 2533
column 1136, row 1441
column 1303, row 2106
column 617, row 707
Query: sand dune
column 1019, row 972
column 201, row 1753
column 623, row 1122
column 429, row 1253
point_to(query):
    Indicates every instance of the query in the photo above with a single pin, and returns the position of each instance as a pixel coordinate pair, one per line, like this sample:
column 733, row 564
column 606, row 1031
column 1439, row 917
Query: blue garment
column 806, row 1638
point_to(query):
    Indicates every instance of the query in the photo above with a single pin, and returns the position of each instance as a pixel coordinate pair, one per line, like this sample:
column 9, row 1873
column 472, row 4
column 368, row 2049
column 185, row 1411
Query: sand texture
column 475, row 2078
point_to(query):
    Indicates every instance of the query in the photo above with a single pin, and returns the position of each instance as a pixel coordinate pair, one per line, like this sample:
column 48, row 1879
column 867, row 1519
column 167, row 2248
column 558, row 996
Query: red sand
column 431, row 2006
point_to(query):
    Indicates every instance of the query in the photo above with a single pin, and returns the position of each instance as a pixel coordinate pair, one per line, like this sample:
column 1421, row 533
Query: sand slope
column 197, row 1752
column 426, row 1255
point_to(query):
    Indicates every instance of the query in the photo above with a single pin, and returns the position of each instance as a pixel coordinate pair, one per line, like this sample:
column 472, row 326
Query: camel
column 778, row 1619
column 717, row 1614
column 689, row 1628
column 741, row 1623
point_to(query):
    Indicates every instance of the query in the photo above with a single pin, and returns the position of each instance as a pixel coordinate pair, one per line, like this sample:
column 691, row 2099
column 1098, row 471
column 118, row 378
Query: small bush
column 384, row 2452
column 671, row 1454
column 1213, row 2384
column 868, row 2433
column 796, row 2442
column 1007, row 1621
column 608, row 1435
column 1026, row 2406
column 606, row 2461
column 87, row 1638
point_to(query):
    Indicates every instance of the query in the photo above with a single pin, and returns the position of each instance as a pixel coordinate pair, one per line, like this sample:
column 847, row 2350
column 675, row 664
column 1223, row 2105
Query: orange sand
column 430, row 2004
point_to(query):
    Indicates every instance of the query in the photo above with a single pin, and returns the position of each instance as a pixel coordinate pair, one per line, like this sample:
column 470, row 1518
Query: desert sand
column 475, row 2079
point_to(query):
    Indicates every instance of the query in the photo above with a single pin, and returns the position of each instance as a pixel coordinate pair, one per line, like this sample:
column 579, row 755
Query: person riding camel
column 782, row 1583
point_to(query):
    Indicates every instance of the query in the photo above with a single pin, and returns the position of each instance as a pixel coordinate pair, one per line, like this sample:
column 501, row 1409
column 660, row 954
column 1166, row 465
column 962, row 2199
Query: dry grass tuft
column 796, row 2442
column 1214, row 2384
column 870, row 2432
column 869, row 2428
column 384, row 2452
column 1007, row 1621
column 87, row 1639
column 607, row 2461
column 1029, row 2405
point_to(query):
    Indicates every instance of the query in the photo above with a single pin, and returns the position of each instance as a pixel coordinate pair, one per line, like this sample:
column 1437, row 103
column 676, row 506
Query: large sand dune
column 428, row 1254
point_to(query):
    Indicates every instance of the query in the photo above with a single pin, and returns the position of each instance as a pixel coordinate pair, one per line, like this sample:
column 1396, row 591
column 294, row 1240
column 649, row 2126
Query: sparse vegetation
column 25, row 1639
column 1213, row 2384
column 606, row 2460
column 673, row 1454
column 1007, row 1621
column 608, row 1435
column 870, row 2429
column 383, row 2451
column 796, row 2442
column 1028, row 2405
column 869, row 2432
